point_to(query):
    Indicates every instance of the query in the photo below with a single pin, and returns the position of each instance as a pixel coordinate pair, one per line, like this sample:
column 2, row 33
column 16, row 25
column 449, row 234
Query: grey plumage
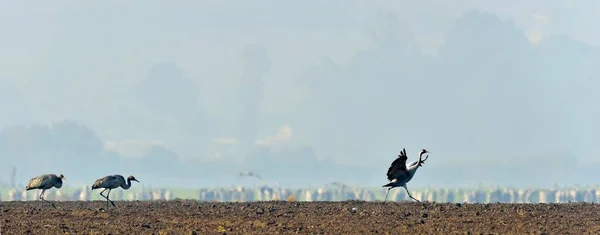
column 250, row 174
column 111, row 182
column 399, row 174
column 45, row 182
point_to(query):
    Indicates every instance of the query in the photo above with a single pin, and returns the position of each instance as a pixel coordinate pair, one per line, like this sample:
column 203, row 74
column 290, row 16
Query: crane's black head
column 61, row 176
column 131, row 178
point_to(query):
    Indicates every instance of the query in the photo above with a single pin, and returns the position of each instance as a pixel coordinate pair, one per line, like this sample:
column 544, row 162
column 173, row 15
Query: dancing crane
column 45, row 182
column 399, row 174
column 111, row 182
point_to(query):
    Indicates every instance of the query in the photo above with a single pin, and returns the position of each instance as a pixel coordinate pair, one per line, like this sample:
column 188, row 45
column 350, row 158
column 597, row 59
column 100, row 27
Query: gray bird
column 399, row 174
column 250, row 174
column 45, row 182
column 111, row 182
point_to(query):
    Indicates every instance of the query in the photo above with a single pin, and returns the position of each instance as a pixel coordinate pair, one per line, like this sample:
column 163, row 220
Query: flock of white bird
column 398, row 174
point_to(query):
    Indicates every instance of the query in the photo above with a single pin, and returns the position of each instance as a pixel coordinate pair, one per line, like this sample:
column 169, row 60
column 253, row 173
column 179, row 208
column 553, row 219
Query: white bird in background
column 399, row 174
column 45, row 182
column 111, row 182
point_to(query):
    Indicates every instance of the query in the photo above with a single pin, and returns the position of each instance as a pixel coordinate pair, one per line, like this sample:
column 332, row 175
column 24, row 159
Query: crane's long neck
column 128, row 185
column 420, row 159
column 412, row 169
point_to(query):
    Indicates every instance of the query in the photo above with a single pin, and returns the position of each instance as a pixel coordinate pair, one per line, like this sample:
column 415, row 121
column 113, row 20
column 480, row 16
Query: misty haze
column 305, row 93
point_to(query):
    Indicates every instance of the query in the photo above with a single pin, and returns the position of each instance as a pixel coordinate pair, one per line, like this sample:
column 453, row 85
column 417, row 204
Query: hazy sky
column 85, row 60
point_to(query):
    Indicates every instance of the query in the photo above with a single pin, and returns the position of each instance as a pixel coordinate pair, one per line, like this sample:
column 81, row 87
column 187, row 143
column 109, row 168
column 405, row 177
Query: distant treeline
column 482, row 195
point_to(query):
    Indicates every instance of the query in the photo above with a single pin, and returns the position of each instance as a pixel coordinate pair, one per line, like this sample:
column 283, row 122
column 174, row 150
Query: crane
column 250, row 174
column 399, row 174
column 111, row 182
column 45, row 182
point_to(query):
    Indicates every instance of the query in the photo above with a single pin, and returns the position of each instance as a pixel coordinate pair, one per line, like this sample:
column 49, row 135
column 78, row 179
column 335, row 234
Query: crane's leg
column 103, row 194
column 386, row 195
column 107, row 196
column 40, row 197
column 409, row 194
column 43, row 200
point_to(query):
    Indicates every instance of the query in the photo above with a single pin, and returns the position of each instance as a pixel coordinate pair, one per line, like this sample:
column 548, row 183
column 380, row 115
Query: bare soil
column 194, row 217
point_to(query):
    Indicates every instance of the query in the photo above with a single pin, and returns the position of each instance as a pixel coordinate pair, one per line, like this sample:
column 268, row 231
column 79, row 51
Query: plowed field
column 350, row 217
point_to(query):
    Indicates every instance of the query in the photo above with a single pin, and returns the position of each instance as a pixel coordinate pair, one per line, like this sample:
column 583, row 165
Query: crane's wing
column 398, row 166
column 34, row 183
column 98, row 183
column 107, row 181
column 37, row 181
